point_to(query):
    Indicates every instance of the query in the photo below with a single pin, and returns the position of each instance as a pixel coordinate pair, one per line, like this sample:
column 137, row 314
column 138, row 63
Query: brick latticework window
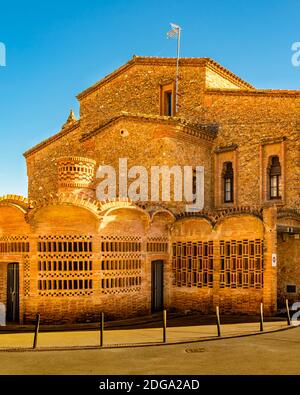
column 65, row 266
column 121, row 264
column 241, row 264
column 14, row 244
column 157, row 245
column 193, row 264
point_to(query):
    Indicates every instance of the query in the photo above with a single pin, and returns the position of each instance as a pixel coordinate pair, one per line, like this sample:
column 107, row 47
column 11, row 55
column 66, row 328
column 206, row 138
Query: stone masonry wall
column 146, row 143
column 138, row 90
column 250, row 120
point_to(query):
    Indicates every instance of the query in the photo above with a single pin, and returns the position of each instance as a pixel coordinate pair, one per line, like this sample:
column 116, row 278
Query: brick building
column 69, row 256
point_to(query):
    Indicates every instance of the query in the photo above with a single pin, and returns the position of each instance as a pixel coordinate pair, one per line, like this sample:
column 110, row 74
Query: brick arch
column 243, row 225
column 60, row 199
column 58, row 219
column 162, row 211
column 117, row 209
column 13, row 219
column 17, row 201
column 196, row 226
column 288, row 217
column 124, row 220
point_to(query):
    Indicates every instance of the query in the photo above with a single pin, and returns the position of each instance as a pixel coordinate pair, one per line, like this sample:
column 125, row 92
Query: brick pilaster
column 270, row 272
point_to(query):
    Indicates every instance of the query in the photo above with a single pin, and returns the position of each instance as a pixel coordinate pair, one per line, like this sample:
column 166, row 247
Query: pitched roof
column 208, row 131
column 63, row 132
column 157, row 61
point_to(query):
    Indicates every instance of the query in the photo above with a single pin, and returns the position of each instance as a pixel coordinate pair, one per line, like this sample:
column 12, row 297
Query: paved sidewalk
column 143, row 336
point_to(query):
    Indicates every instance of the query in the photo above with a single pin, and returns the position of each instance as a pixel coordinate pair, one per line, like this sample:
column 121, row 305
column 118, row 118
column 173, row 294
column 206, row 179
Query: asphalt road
column 273, row 353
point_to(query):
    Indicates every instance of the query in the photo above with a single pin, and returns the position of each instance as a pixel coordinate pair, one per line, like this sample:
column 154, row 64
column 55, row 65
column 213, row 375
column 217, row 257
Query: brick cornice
column 226, row 148
column 78, row 159
column 254, row 92
column 207, row 132
column 215, row 216
column 272, row 140
column 284, row 212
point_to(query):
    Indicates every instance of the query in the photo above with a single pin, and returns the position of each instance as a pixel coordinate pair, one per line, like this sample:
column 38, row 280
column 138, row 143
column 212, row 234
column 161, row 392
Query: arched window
column 274, row 178
column 228, row 182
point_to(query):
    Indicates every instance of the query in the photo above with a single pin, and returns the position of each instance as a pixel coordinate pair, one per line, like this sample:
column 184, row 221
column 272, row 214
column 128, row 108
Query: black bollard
column 102, row 330
column 218, row 321
column 288, row 312
column 36, row 331
column 261, row 317
column 165, row 326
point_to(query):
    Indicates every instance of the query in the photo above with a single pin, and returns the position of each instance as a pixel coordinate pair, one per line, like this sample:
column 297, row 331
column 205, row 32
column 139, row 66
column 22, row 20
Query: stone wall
column 258, row 125
column 143, row 141
column 248, row 119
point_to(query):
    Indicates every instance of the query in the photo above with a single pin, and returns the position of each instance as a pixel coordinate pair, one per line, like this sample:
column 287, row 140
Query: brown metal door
column 12, row 307
column 157, row 286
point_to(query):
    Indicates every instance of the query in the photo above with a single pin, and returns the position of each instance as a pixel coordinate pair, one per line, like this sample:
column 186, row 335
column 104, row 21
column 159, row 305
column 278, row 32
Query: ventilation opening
column 291, row 289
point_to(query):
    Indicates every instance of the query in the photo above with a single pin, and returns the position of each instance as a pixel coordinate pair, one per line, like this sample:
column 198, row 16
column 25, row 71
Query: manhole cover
column 194, row 350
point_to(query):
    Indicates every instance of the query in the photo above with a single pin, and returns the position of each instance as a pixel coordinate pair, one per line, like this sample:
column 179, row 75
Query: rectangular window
column 274, row 177
column 168, row 104
column 274, row 187
column 228, row 177
column 291, row 288
column 228, row 196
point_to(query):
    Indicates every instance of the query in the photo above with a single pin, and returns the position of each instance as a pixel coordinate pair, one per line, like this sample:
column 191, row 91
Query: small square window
column 291, row 289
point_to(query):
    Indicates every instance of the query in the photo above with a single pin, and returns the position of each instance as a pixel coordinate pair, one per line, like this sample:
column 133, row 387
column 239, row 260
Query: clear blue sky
column 56, row 49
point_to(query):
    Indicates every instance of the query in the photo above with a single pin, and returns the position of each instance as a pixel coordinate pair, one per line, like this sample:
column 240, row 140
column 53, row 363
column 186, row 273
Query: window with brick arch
column 274, row 178
column 228, row 177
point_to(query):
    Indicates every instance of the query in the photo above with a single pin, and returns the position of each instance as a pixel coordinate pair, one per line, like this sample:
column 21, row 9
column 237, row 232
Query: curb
column 139, row 345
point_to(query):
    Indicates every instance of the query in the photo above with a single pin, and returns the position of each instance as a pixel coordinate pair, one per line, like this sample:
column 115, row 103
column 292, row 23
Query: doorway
column 157, row 285
column 12, row 306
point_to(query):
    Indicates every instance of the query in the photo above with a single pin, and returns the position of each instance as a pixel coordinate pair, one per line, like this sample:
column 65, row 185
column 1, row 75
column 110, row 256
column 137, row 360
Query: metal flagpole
column 176, row 30
column 177, row 67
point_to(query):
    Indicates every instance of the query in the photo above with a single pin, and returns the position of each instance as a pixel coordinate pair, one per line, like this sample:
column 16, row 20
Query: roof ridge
column 154, row 59
column 180, row 120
